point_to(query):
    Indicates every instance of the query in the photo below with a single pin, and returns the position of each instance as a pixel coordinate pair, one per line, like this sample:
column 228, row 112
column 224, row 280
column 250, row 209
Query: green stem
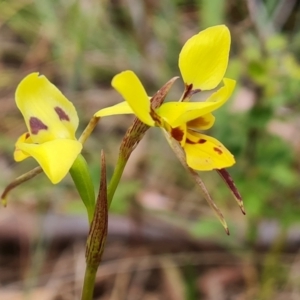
column 98, row 230
column 91, row 271
column 115, row 179
column 89, row 283
column 89, row 129
column 97, row 236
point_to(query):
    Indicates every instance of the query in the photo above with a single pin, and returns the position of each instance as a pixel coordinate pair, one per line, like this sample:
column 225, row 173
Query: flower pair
column 52, row 120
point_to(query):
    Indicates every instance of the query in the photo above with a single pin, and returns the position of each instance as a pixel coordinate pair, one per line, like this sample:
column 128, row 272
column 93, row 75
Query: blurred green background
column 80, row 45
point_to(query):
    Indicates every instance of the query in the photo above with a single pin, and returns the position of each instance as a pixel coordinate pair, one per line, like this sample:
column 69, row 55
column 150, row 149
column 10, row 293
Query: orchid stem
column 97, row 236
column 89, row 283
column 98, row 230
column 115, row 179
column 91, row 270
column 89, row 129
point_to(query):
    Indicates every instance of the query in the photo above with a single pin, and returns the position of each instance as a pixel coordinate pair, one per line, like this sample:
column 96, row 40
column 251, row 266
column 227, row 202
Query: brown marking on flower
column 61, row 114
column 155, row 117
column 36, row 125
column 27, row 135
column 193, row 92
column 188, row 90
column 177, row 133
column 190, row 141
column 202, row 141
column 198, row 123
column 218, row 150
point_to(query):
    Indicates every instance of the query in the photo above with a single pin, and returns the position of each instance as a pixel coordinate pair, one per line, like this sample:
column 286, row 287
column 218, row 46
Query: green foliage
column 211, row 12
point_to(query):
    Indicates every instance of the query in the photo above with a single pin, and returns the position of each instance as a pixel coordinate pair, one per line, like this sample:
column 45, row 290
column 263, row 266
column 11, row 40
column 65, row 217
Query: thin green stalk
column 97, row 237
column 94, row 258
column 89, row 282
column 132, row 138
column 89, row 129
column 98, row 230
column 91, row 269
column 115, row 179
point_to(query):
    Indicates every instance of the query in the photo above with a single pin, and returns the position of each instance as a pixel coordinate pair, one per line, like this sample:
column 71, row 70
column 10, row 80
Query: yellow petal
column 132, row 90
column 176, row 113
column 202, row 123
column 222, row 95
column 55, row 157
column 118, row 109
column 19, row 155
column 47, row 112
column 206, row 153
column 204, row 57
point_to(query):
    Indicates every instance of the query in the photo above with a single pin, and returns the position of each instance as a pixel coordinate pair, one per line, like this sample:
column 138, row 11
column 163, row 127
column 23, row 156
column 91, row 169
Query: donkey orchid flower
column 51, row 121
column 181, row 120
column 202, row 62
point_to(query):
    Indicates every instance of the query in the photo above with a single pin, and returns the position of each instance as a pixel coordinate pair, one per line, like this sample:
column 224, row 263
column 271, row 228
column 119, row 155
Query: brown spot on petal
column 177, row 134
column 218, row 150
column 61, row 114
column 198, row 123
column 27, row 135
column 190, row 142
column 202, row 141
column 36, row 125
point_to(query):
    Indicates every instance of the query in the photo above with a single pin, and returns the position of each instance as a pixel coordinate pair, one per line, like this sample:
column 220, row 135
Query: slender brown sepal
column 181, row 156
column 159, row 97
column 231, row 185
column 209, row 200
column 98, row 230
column 23, row 178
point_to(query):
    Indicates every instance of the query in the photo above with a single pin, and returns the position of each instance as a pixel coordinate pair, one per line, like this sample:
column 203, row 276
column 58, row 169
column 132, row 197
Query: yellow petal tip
column 132, row 90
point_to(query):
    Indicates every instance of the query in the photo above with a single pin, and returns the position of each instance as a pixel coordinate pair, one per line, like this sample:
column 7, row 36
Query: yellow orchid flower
column 181, row 120
column 202, row 62
column 52, row 121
